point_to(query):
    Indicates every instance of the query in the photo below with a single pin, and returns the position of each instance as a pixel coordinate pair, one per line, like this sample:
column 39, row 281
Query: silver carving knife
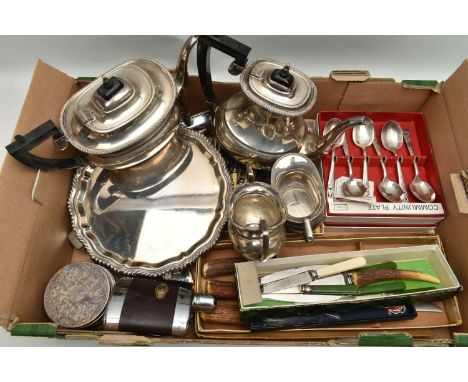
column 306, row 277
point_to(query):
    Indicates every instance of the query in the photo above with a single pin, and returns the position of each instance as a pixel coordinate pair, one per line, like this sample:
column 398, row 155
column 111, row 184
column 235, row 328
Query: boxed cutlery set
column 394, row 180
column 146, row 206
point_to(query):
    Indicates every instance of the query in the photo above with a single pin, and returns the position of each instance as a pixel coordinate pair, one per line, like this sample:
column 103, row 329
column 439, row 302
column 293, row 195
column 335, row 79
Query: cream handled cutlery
column 309, row 275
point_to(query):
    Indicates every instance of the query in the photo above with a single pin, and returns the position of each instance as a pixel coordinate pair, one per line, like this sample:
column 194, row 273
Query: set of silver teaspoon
column 392, row 137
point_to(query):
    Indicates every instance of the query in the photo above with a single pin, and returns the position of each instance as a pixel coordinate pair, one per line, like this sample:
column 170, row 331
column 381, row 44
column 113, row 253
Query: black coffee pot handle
column 227, row 45
column 23, row 144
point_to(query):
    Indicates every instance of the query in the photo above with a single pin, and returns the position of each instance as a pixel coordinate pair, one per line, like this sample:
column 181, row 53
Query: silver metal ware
column 392, row 140
column 310, row 275
column 119, row 129
column 428, row 307
column 257, row 217
column 331, row 177
column 407, row 139
column 265, row 120
column 257, row 137
column 345, row 146
column 121, row 119
column 279, row 275
column 77, row 295
column 376, row 145
column 363, row 136
column 157, row 222
column 389, row 189
column 331, row 124
column 353, row 187
column 299, row 183
column 422, row 190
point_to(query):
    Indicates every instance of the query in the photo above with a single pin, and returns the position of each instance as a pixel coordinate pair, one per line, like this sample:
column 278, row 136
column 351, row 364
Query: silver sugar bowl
column 257, row 221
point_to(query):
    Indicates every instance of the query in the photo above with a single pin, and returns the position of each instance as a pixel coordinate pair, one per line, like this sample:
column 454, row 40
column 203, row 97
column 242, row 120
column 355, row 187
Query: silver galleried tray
column 156, row 223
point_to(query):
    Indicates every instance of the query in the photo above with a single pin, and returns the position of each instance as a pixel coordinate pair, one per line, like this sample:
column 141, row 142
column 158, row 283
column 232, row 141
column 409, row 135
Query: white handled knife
column 307, row 276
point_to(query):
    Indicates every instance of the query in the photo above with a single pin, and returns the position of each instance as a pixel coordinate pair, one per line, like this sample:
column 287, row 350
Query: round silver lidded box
column 77, row 295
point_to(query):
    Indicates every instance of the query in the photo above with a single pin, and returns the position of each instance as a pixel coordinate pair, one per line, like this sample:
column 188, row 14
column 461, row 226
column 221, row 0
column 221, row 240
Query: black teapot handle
column 23, row 144
column 227, row 45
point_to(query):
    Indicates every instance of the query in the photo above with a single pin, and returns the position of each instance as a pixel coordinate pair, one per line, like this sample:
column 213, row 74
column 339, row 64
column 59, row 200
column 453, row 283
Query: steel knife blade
column 428, row 307
column 288, row 282
column 311, row 275
column 287, row 272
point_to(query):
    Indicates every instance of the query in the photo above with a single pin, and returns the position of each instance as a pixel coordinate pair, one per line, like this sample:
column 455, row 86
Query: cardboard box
column 34, row 221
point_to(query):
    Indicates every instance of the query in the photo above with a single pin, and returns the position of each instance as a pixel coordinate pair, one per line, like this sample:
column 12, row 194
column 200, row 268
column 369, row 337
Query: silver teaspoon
column 392, row 140
column 389, row 189
column 331, row 124
column 422, row 190
column 353, row 187
column 363, row 136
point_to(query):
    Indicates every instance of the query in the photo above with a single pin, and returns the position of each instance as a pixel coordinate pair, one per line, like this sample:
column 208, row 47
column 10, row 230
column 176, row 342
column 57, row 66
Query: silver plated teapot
column 265, row 120
column 120, row 120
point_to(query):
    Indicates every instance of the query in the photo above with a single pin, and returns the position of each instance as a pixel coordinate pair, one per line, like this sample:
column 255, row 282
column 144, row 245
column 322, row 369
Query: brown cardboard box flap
column 390, row 96
column 446, row 115
column 27, row 261
column 455, row 92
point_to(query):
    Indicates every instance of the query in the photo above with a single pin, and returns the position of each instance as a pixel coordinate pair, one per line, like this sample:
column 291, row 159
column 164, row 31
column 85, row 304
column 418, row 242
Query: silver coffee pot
column 265, row 120
column 119, row 120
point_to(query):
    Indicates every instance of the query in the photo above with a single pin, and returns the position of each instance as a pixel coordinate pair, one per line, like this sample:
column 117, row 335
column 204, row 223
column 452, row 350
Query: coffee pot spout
column 180, row 76
column 315, row 148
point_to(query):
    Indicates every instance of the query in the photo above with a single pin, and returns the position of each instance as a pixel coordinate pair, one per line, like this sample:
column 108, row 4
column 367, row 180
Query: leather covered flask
column 153, row 306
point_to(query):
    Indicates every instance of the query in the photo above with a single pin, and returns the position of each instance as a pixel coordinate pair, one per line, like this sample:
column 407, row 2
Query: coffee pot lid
column 120, row 108
column 278, row 87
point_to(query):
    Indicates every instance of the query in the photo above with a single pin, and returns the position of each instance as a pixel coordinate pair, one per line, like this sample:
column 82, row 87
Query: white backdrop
column 415, row 57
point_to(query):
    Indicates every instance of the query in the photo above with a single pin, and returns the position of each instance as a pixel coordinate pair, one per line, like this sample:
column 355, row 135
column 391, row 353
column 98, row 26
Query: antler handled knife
column 361, row 280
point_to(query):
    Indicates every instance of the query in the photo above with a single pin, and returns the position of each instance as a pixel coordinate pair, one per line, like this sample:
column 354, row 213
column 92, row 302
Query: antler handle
column 220, row 267
column 223, row 314
column 368, row 277
column 222, row 289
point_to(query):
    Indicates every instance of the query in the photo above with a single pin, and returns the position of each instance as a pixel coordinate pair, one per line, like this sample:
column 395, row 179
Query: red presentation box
column 383, row 213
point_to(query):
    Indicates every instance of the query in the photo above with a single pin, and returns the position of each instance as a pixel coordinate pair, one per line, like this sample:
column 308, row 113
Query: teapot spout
column 326, row 142
column 180, row 75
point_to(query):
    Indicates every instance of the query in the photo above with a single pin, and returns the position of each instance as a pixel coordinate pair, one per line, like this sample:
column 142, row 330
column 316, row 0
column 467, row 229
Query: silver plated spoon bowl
column 353, row 187
column 422, row 190
column 363, row 136
column 389, row 189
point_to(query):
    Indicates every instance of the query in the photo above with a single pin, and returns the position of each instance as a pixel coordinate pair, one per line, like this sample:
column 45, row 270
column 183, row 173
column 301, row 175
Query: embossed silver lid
column 120, row 108
column 77, row 294
column 278, row 87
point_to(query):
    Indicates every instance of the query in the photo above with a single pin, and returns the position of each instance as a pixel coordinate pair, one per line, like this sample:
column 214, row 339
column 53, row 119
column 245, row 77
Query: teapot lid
column 278, row 87
column 120, row 108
